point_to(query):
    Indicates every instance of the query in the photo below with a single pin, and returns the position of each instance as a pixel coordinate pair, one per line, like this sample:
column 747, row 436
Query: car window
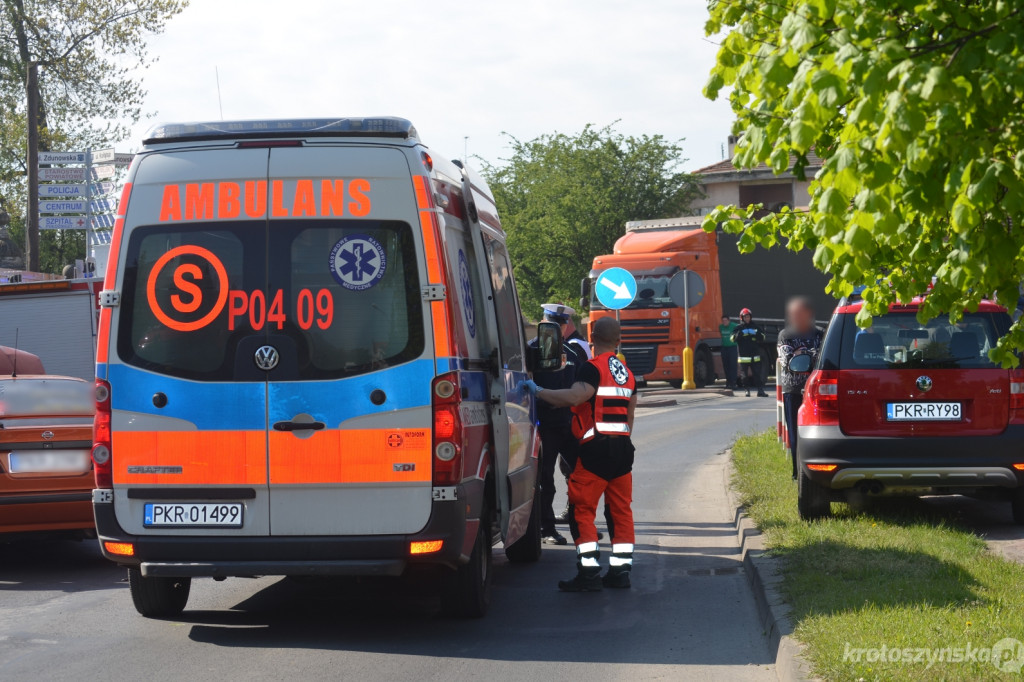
column 507, row 309
column 352, row 289
column 898, row 341
column 346, row 292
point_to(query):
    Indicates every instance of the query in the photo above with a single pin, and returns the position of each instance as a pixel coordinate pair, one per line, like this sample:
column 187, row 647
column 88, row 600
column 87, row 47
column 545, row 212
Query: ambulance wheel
column 158, row 597
column 527, row 549
column 468, row 592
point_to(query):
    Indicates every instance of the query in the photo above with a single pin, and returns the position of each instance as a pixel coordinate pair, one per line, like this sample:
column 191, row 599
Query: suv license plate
column 924, row 412
column 188, row 515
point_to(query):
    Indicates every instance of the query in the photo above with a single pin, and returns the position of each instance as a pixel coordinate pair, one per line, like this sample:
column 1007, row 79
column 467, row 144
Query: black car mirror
column 549, row 346
column 801, row 364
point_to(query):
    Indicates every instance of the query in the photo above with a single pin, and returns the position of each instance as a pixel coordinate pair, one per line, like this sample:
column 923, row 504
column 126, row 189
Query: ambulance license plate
column 923, row 412
column 192, row 515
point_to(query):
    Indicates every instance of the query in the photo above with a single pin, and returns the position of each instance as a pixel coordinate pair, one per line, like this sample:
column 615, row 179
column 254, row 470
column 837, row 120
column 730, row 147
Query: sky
column 456, row 70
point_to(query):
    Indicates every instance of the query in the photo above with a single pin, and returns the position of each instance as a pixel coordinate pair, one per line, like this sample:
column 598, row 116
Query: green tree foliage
column 564, row 199
column 91, row 56
column 917, row 108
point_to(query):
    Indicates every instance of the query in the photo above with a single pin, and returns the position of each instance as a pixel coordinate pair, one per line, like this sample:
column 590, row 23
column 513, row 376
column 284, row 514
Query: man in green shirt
column 729, row 352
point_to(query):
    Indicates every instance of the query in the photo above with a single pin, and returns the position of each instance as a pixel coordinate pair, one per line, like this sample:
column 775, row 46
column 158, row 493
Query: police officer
column 748, row 337
column 603, row 399
column 556, row 422
column 800, row 337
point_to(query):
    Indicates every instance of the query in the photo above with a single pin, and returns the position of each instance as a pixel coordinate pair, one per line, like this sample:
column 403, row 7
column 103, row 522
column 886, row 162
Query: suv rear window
column 346, row 293
column 898, row 341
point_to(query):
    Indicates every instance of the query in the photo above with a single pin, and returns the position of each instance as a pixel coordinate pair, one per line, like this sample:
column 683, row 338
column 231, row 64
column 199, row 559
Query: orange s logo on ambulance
column 188, row 305
column 228, row 200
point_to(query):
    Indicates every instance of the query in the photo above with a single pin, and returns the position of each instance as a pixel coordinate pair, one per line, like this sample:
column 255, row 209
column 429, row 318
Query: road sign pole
column 88, row 211
column 688, row 384
column 32, row 214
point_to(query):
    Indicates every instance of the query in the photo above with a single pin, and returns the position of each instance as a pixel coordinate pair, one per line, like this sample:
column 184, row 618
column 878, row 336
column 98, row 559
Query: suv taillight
column 447, row 430
column 101, row 440
column 1017, row 395
column 821, row 400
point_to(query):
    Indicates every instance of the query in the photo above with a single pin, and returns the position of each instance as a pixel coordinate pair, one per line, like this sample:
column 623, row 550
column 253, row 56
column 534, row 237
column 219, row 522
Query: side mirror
column 549, row 347
column 585, row 287
column 801, row 364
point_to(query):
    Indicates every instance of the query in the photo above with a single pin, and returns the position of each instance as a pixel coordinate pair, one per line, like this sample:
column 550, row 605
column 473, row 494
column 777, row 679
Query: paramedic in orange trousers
column 603, row 401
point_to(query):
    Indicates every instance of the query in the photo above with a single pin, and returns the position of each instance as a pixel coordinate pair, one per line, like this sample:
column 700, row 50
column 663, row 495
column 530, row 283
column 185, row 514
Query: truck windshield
column 651, row 292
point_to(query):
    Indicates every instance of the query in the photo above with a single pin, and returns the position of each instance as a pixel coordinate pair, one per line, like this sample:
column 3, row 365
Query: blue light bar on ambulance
column 380, row 126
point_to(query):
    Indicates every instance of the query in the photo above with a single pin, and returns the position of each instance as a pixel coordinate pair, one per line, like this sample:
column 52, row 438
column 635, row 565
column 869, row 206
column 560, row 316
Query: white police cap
column 558, row 310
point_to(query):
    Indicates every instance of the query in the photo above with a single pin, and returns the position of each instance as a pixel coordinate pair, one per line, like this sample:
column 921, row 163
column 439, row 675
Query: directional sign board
column 62, row 191
column 75, row 206
column 102, row 221
column 615, row 288
column 103, row 155
column 62, row 157
column 62, row 174
column 71, row 222
column 123, row 159
column 102, row 172
column 50, row 206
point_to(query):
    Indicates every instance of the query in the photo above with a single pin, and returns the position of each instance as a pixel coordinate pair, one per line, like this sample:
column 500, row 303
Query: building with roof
column 724, row 184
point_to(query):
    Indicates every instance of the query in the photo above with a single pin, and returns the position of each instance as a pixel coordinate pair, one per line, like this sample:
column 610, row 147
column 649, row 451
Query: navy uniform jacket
column 561, row 378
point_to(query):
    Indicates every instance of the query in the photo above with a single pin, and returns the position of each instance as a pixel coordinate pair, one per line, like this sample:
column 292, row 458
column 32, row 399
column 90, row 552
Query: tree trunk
column 32, row 210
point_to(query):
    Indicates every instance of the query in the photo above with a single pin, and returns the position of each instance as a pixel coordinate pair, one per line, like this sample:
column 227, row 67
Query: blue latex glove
column 530, row 386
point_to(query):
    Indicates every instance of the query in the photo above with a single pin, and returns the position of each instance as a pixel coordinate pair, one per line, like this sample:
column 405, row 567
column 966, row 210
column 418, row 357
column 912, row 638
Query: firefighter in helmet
column 748, row 337
column 603, row 400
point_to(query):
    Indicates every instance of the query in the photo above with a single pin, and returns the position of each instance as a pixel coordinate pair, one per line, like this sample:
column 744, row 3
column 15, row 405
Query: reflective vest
column 608, row 411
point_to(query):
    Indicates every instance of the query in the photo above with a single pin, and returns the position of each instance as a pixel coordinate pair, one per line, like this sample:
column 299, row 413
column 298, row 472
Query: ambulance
column 309, row 362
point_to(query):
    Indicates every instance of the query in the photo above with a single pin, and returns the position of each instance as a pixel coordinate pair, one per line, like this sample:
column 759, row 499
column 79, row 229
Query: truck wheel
column 1018, row 506
column 158, row 597
column 812, row 500
column 527, row 549
column 468, row 592
column 703, row 369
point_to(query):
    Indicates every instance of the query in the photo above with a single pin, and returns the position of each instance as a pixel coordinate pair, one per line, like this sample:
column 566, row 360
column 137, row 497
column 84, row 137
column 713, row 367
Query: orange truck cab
column 654, row 328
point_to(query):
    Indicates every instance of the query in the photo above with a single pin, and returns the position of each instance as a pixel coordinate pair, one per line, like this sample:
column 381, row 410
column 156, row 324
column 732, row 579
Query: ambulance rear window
column 335, row 298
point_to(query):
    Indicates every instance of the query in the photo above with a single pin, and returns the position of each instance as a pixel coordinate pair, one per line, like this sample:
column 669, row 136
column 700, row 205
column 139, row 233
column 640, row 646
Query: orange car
column 46, row 477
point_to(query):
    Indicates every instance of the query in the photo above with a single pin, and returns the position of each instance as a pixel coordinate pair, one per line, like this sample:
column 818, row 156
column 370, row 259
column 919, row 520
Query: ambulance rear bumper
column 226, row 556
column 353, row 567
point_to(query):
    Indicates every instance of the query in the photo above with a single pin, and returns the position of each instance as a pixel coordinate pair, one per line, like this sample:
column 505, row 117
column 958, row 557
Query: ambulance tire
column 527, row 549
column 468, row 592
column 158, row 597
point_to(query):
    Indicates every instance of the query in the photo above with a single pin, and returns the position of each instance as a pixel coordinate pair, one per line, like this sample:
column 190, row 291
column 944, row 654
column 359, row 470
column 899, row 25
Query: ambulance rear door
column 349, row 416
column 189, row 409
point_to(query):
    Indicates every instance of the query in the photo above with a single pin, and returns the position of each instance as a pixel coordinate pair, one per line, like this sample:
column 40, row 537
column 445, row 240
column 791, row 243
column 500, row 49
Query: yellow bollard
column 688, row 384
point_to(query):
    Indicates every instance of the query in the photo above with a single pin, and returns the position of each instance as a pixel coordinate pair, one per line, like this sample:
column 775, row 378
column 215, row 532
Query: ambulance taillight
column 101, row 454
column 447, row 441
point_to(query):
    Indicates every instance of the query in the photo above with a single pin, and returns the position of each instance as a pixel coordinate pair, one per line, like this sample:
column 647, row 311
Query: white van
column 309, row 359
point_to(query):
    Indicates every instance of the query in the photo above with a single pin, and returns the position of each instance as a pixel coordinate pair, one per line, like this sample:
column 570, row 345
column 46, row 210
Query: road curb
column 764, row 574
column 655, row 403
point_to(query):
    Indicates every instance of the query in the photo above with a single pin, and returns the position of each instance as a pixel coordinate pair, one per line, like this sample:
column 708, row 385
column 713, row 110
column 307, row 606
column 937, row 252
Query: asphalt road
column 65, row 613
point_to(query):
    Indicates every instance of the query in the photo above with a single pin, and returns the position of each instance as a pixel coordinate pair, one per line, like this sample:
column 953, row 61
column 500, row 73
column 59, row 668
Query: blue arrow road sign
column 615, row 288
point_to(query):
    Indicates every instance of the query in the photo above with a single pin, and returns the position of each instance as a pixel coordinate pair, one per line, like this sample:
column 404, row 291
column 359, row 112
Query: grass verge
column 885, row 593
